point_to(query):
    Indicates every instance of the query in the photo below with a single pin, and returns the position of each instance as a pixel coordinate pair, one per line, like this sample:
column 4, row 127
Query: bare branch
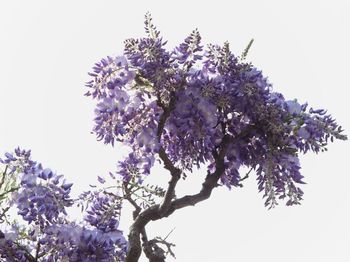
column 170, row 193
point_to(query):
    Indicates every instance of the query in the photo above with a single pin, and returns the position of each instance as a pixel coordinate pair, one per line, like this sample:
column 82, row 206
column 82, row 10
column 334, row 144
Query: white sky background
column 47, row 48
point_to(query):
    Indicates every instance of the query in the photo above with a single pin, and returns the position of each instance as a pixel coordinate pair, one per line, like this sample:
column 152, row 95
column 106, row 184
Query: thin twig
column 169, row 234
column 245, row 177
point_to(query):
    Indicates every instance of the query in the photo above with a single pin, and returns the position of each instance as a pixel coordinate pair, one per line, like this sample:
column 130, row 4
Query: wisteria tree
column 190, row 107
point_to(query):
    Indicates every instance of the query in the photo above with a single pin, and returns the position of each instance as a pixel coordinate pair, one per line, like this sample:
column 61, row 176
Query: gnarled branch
column 152, row 213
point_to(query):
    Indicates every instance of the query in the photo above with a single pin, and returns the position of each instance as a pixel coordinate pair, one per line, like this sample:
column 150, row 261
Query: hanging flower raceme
column 191, row 131
column 109, row 74
column 189, row 51
column 104, row 211
column 111, row 79
column 134, row 168
column 277, row 177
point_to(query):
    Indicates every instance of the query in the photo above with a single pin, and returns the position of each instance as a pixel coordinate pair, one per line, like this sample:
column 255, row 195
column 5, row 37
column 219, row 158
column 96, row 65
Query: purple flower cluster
column 134, row 168
column 208, row 94
column 188, row 52
column 42, row 195
column 149, row 56
column 104, row 211
column 17, row 254
column 9, row 249
column 125, row 113
column 191, row 132
column 277, row 177
column 41, row 199
column 110, row 75
column 75, row 243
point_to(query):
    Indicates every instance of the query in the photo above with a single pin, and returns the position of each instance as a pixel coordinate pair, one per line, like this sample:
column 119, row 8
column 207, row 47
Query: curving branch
column 175, row 176
column 174, row 171
column 153, row 213
column 148, row 247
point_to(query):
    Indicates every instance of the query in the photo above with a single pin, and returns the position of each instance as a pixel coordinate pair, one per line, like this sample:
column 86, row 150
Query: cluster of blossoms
column 73, row 242
column 41, row 198
column 42, row 195
column 104, row 211
column 186, row 100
